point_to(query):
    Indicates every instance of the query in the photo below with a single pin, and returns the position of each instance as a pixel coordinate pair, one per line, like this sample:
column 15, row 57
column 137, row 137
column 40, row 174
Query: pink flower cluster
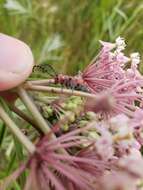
column 103, row 155
column 107, row 153
column 117, row 85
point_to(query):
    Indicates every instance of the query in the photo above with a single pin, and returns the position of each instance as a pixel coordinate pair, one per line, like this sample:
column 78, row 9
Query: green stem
column 36, row 115
column 34, row 111
column 16, row 131
column 42, row 82
column 56, row 90
column 25, row 117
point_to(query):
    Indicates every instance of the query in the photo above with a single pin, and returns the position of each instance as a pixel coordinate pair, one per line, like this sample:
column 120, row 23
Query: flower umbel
column 106, row 69
column 50, row 168
column 120, row 98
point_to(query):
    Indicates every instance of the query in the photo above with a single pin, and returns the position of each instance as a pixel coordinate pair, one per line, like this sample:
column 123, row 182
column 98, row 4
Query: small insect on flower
column 71, row 82
column 100, row 74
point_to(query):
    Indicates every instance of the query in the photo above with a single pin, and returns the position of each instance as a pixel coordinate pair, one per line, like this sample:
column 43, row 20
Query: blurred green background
column 65, row 33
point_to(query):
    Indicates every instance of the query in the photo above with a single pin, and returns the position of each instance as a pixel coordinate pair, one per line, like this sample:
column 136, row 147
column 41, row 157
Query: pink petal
column 107, row 45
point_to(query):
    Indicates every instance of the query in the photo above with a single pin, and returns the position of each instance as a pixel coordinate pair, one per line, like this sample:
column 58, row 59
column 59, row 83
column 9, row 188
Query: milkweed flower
column 107, row 68
column 135, row 59
column 49, row 167
column 104, row 144
column 120, row 44
column 137, row 124
column 89, row 162
column 132, row 72
column 126, row 170
column 133, row 164
column 117, row 180
column 120, row 98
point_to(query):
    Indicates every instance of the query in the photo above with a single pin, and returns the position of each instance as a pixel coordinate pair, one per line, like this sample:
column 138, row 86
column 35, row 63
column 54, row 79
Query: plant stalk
column 42, row 82
column 16, row 131
column 34, row 111
column 25, row 117
column 56, row 90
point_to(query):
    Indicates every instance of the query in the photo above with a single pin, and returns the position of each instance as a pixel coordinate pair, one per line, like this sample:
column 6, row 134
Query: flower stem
column 36, row 115
column 42, row 82
column 25, row 117
column 16, row 131
column 56, row 90
column 34, row 111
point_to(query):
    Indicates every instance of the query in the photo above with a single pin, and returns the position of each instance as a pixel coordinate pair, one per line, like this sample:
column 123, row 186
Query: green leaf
column 2, row 133
column 15, row 7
